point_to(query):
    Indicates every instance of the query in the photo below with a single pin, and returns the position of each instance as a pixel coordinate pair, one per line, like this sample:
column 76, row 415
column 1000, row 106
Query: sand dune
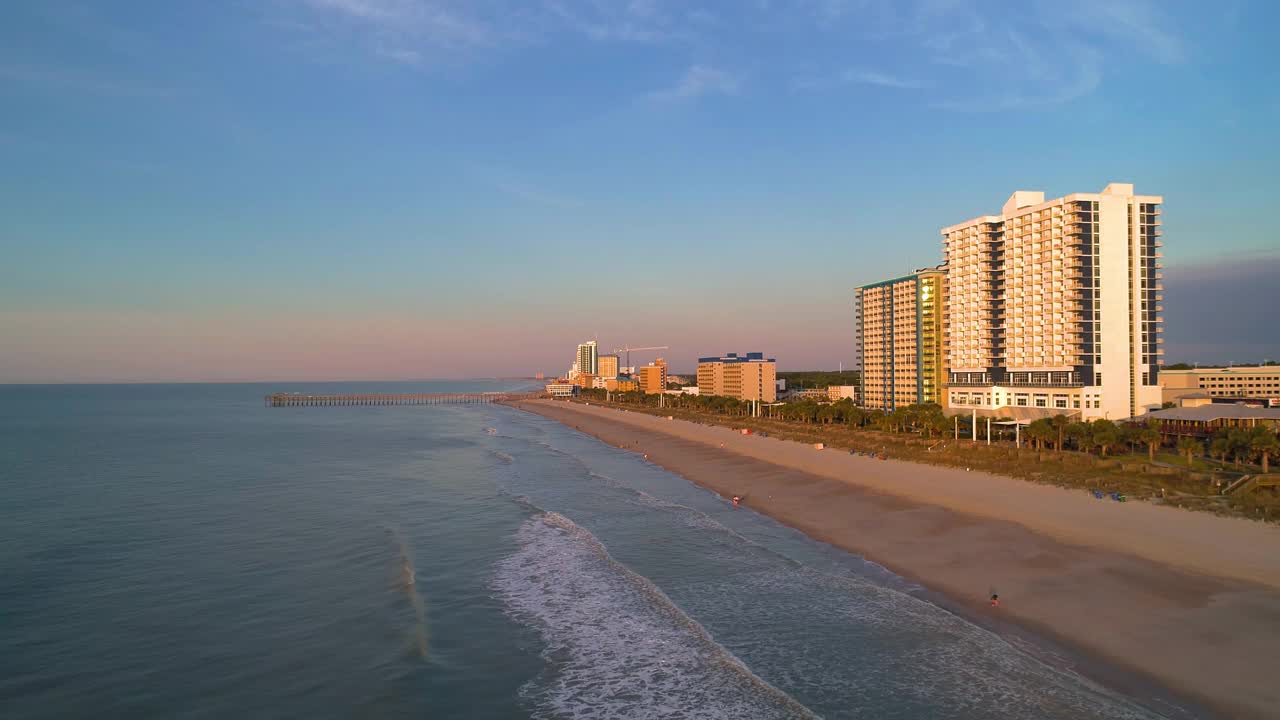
column 1190, row 600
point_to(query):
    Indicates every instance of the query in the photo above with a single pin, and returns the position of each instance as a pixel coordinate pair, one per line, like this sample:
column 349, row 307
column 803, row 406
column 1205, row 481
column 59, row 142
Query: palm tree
column 1240, row 443
column 1060, row 424
column 1149, row 433
column 1263, row 441
column 1040, row 432
column 1190, row 447
column 1104, row 434
column 826, row 414
column 1080, row 433
column 1220, row 446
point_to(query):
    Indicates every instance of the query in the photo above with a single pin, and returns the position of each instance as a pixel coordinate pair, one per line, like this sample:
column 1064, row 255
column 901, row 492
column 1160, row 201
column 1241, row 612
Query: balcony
column 1046, row 384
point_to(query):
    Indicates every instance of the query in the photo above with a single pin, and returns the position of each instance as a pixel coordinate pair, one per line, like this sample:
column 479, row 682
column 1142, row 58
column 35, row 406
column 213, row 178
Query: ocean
column 184, row 551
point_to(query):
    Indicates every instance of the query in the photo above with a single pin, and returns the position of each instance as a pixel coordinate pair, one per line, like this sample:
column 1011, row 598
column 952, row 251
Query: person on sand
column 736, row 500
column 995, row 600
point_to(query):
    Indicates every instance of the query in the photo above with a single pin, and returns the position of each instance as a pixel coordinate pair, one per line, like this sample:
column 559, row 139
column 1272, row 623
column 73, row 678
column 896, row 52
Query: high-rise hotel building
column 900, row 336
column 607, row 366
column 587, row 361
column 1055, row 306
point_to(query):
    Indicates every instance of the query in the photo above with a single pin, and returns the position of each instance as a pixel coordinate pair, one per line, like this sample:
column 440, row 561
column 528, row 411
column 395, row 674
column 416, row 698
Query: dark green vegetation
column 1188, row 366
column 1131, row 458
column 818, row 378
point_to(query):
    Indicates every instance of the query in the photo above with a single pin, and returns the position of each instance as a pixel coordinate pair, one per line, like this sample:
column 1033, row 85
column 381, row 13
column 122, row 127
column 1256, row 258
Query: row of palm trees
column 1239, row 444
column 1101, row 436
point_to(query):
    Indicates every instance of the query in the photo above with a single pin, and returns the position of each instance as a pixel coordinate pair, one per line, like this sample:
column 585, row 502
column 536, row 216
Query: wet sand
column 1190, row 600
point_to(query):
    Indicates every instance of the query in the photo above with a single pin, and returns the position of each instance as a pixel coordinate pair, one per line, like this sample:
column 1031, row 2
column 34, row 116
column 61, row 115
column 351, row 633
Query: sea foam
column 616, row 645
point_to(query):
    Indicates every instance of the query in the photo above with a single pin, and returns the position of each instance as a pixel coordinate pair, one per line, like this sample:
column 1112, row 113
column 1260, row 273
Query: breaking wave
column 617, row 646
column 407, row 581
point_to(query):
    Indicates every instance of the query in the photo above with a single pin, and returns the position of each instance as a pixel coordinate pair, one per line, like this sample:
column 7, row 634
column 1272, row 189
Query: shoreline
column 1199, row 623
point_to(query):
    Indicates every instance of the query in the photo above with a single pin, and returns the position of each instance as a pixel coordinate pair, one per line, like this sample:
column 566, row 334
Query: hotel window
column 1022, row 401
column 1076, row 403
column 1042, row 402
column 1060, row 402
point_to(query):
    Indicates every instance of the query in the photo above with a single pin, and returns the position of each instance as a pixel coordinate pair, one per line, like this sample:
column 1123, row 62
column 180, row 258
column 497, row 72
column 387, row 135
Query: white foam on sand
column 616, row 645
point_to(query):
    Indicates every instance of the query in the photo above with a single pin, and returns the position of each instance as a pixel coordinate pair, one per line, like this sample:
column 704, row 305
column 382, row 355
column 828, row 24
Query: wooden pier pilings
column 300, row 400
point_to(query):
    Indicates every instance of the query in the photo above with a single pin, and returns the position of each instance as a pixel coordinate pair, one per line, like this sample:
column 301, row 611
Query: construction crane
column 628, row 350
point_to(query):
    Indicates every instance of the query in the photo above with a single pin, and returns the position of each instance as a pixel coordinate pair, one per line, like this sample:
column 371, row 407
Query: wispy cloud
column 400, row 55
column 638, row 21
column 73, row 79
column 406, row 31
column 1135, row 22
column 697, row 81
column 858, row 77
column 416, row 31
column 974, row 54
column 511, row 184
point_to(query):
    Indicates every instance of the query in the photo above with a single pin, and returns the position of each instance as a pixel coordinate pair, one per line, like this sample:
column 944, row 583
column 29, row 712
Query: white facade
column 561, row 389
column 1055, row 305
column 587, row 362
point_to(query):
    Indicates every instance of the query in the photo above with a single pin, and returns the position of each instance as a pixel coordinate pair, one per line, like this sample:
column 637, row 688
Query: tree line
column 1060, row 432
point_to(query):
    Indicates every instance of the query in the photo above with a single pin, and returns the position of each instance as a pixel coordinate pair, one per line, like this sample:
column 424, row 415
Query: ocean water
column 183, row 551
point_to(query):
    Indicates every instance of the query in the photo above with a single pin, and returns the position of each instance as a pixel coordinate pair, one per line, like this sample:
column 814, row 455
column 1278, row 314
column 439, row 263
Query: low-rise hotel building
column 1256, row 382
column 745, row 377
column 899, row 331
column 844, row 392
column 653, row 377
column 1054, row 306
column 562, row 389
column 621, row 384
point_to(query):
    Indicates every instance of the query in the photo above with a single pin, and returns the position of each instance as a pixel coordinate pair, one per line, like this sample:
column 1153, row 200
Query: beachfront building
column 653, row 377
column 1054, row 306
column 621, row 384
column 844, row 392
column 587, row 358
column 745, row 377
column 607, row 366
column 899, row 332
column 562, row 389
column 1260, row 383
column 1205, row 420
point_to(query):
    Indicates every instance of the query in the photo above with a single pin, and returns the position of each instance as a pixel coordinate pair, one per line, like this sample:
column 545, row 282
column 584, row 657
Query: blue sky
column 404, row 188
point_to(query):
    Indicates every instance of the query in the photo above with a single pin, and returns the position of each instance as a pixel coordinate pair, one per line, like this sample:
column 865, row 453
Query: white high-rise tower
column 1055, row 306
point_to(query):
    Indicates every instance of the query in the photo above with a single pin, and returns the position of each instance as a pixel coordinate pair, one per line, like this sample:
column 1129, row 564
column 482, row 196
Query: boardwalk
column 298, row 400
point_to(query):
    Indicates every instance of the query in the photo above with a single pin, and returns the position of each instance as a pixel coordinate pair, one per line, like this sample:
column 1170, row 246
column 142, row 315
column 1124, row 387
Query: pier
column 300, row 400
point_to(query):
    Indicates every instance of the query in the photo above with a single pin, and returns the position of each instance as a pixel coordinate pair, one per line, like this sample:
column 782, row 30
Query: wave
column 407, row 581
column 504, row 457
column 897, row 649
column 617, row 646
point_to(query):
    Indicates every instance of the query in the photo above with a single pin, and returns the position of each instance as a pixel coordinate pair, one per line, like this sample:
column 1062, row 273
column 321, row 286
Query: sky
column 381, row 189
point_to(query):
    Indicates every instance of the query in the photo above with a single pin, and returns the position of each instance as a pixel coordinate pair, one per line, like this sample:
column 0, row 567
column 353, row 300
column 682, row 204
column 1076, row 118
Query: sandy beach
column 1189, row 600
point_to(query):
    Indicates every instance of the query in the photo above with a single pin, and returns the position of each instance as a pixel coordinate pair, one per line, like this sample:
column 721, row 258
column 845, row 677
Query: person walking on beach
column 995, row 600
